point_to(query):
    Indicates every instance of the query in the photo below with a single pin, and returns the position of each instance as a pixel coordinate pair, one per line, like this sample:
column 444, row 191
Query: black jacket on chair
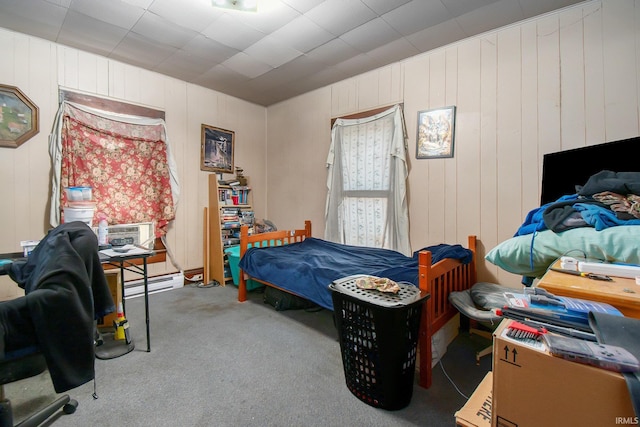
column 65, row 291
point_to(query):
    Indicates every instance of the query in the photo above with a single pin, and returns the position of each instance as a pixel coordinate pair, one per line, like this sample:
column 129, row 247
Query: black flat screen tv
column 564, row 170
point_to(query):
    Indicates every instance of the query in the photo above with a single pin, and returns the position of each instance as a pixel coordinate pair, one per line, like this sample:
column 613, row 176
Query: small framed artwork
column 216, row 152
column 436, row 131
column 18, row 117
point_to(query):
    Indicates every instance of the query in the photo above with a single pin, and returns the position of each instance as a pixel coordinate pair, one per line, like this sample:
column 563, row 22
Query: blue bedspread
column 307, row 268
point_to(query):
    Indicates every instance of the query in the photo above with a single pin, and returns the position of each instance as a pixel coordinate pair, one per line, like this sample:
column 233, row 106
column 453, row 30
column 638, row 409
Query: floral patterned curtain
column 126, row 161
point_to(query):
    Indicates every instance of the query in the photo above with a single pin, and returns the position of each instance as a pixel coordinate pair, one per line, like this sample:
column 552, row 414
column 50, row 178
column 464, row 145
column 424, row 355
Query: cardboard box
column 533, row 388
column 477, row 411
column 115, row 287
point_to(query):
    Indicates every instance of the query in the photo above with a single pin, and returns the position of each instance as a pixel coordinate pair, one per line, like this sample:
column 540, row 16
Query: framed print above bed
column 436, row 131
column 216, row 152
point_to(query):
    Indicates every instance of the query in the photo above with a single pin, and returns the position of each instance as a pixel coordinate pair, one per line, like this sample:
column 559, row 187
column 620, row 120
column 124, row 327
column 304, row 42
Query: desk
column 617, row 292
column 125, row 262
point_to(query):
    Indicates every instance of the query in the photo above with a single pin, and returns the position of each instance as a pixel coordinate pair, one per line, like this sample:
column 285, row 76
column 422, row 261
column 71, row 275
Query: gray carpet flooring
column 217, row 362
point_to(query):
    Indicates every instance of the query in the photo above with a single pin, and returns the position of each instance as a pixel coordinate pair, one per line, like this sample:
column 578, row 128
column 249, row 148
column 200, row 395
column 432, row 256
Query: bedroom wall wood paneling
column 467, row 147
column 509, row 128
column 594, row 74
column 40, row 67
column 562, row 80
column 298, row 139
column 532, row 177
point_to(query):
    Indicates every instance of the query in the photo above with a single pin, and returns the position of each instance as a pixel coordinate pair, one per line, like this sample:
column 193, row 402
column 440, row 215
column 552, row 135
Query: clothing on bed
column 608, row 199
column 307, row 268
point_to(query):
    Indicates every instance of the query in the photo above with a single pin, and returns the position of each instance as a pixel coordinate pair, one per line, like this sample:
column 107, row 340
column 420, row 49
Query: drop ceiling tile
column 333, row 52
column 301, row 67
column 395, row 51
column 137, row 50
column 184, row 66
column 221, row 77
column 229, row 31
column 302, row 6
column 35, row 17
column 90, row 34
column 260, row 98
column 303, row 34
column 353, row 13
column 439, row 35
column 416, row 15
column 140, row 3
column 533, row 8
column 357, row 65
column 63, row 3
column 460, row 7
column 488, row 18
column 383, row 6
column 162, row 31
column 246, row 65
column 275, row 95
column 267, row 21
column 198, row 16
column 326, row 76
column 209, row 50
column 114, row 12
column 370, row 35
column 269, row 51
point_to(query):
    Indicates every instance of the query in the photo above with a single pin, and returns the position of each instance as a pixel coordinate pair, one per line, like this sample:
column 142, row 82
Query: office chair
column 24, row 365
column 476, row 304
column 53, row 325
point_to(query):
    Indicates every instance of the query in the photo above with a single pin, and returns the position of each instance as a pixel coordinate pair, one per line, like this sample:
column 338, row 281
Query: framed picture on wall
column 18, row 117
column 436, row 131
column 216, row 152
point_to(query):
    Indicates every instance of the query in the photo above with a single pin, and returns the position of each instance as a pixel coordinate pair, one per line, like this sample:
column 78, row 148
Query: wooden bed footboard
column 261, row 240
column 440, row 279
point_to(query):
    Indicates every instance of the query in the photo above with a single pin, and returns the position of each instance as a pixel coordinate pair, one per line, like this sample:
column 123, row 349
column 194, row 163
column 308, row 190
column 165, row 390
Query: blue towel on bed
column 307, row 268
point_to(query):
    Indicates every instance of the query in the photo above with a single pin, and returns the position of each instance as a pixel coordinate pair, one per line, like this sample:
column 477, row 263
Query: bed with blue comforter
column 308, row 267
column 296, row 262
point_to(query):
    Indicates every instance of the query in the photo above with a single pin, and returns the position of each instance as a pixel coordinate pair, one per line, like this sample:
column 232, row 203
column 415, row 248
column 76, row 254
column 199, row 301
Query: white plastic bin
column 79, row 214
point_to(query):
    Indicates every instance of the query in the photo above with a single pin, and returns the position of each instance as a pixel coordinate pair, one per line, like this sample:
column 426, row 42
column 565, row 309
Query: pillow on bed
column 613, row 244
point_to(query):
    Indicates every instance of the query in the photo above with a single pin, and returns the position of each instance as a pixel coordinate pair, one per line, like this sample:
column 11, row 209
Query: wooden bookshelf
column 215, row 261
column 223, row 217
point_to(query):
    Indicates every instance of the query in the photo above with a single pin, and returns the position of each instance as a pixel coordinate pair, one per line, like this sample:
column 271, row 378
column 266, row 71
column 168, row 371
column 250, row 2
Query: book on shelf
column 230, row 242
column 229, row 182
column 230, row 225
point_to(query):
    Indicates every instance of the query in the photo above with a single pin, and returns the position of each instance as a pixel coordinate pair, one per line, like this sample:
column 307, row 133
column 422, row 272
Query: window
column 367, row 173
column 125, row 158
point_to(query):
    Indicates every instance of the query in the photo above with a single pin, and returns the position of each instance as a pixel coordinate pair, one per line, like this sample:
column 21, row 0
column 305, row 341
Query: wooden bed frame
column 440, row 279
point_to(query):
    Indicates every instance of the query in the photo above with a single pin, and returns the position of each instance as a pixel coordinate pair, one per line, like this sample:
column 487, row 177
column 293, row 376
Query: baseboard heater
column 135, row 288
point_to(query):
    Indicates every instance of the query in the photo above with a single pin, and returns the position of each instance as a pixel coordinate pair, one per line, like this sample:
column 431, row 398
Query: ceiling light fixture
column 241, row 5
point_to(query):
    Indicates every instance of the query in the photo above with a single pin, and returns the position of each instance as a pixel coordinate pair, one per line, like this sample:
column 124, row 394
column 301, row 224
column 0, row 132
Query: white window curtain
column 367, row 174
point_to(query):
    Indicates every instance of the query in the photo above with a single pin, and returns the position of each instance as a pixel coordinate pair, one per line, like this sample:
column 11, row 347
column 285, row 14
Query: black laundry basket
column 378, row 335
